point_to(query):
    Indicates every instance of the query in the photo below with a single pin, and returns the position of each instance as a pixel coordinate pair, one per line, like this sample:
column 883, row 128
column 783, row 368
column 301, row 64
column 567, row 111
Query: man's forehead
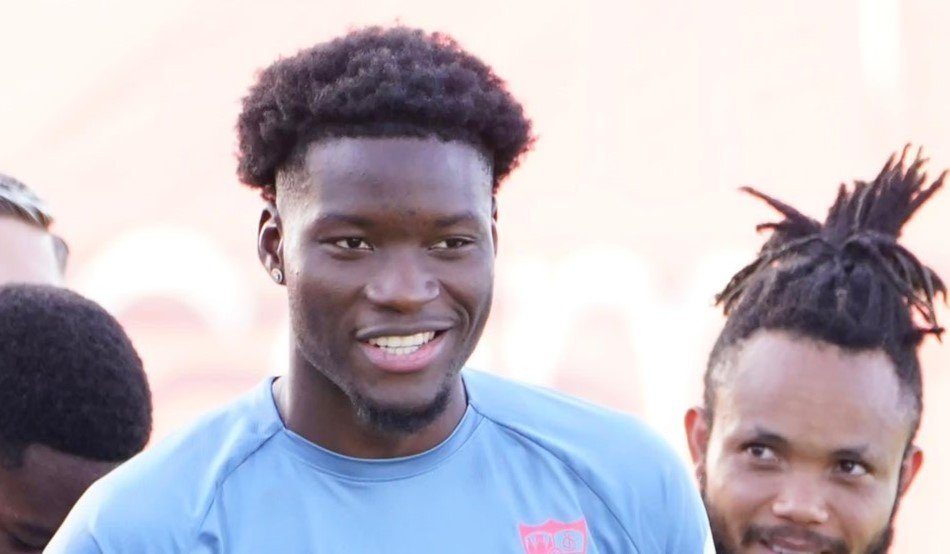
column 55, row 467
column 806, row 388
column 41, row 490
column 776, row 363
column 382, row 161
column 27, row 253
column 353, row 176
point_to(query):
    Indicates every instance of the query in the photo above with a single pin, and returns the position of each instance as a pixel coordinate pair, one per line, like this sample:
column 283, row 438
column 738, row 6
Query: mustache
column 816, row 541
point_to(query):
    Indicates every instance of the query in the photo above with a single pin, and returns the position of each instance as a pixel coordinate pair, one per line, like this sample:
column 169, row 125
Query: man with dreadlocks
column 805, row 442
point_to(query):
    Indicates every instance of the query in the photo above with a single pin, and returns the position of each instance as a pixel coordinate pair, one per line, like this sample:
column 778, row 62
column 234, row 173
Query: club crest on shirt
column 555, row 537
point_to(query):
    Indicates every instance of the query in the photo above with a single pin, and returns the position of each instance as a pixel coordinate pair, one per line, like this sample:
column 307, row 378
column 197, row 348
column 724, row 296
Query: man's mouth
column 780, row 550
column 792, row 540
column 404, row 353
column 789, row 546
column 402, row 345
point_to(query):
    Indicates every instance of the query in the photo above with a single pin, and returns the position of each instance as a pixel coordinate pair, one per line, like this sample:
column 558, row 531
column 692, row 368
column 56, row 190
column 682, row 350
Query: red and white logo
column 555, row 537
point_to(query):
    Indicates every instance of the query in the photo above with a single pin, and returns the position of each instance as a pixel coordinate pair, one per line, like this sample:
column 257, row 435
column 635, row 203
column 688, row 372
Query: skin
column 27, row 254
column 378, row 237
column 807, row 449
column 36, row 496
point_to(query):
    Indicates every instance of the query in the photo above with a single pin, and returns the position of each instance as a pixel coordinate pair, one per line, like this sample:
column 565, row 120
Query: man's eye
column 852, row 468
column 761, row 452
column 451, row 243
column 352, row 243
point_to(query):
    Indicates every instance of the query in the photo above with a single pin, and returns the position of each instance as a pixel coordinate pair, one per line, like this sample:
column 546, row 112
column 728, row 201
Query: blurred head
column 74, row 403
column 813, row 395
column 379, row 155
column 28, row 251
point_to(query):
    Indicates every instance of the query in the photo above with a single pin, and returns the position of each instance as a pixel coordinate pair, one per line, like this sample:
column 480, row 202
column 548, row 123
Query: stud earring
column 277, row 275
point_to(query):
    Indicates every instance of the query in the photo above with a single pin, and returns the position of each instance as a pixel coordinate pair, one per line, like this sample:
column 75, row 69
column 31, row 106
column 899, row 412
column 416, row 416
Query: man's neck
column 313, row 407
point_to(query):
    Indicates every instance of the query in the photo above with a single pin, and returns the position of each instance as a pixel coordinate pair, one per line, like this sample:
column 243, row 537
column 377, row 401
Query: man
column 28, row 252
column 379, row 156
column 74, row 402
column 813, row 389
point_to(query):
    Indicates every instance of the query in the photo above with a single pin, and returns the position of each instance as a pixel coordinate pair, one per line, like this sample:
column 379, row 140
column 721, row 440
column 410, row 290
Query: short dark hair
column 69, row 378
column 17, row 200
column 378, row 82
column 846, row 282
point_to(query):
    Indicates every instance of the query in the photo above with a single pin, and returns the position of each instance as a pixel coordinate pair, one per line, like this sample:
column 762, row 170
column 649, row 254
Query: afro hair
column 378, row 82
column 69, row 378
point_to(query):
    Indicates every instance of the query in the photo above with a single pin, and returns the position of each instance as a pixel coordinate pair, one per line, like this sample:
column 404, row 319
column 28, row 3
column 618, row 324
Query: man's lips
column 794, row 541
column 786, row 546
column 403, row 353
column 364, row 334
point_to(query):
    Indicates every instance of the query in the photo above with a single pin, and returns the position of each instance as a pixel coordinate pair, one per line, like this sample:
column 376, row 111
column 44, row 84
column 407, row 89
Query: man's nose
column 801, row 500
column 403, row 283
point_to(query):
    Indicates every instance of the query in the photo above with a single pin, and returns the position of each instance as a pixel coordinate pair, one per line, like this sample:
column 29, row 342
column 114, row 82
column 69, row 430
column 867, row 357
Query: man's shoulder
column 580, row 431
column 169, row 488
column 628, row 465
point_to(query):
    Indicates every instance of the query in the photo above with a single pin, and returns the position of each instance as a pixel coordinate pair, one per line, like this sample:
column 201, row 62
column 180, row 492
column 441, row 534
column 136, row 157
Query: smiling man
column 379, row 156
column 813, row 390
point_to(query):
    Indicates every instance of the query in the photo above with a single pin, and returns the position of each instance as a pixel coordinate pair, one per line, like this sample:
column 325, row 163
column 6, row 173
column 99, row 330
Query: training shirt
column 527, row 470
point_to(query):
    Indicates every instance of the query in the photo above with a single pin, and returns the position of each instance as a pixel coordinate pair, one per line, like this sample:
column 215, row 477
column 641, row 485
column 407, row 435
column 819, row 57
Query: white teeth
column 401, row 345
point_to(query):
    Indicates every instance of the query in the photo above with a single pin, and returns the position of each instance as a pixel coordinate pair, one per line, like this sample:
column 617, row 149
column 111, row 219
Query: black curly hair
column 378, row 82
column 846, row 282
column 69, row 378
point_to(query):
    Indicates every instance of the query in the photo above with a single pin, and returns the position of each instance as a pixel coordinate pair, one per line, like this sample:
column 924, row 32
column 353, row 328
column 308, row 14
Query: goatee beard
column 400, row 420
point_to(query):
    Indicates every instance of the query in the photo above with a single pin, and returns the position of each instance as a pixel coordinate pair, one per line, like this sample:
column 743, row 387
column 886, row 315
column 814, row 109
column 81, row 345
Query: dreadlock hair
column 69, row 378
column 846, row 282
column 378, row 82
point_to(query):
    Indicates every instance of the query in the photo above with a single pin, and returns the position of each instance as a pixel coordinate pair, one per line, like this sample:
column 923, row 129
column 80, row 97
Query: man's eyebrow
column 341, row 218
column 858, row 452
column 449, row 221
column 769, row 438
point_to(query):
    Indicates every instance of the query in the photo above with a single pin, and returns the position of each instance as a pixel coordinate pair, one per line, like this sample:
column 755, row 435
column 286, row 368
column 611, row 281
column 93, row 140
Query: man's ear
column 494, row 223
column 270, row 242
column 697, row 436
column 913, row 459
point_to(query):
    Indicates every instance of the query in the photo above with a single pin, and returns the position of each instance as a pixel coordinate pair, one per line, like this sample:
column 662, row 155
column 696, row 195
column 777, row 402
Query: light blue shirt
column 527, row 471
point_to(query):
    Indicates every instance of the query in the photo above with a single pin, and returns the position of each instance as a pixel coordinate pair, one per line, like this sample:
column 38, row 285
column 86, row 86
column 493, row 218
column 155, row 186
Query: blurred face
column 388, row 249
column 806, row 451
column 35, row 497
column 27, row 254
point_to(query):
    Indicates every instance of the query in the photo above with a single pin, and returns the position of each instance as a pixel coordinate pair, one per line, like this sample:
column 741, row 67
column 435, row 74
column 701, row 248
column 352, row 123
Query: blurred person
column 379, row 156
column 74, row 403
column 28, row 251
column 813, row 392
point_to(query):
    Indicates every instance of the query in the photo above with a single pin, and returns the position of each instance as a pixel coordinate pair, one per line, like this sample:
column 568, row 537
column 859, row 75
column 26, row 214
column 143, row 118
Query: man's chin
column 725, row 545
column 401, row 418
